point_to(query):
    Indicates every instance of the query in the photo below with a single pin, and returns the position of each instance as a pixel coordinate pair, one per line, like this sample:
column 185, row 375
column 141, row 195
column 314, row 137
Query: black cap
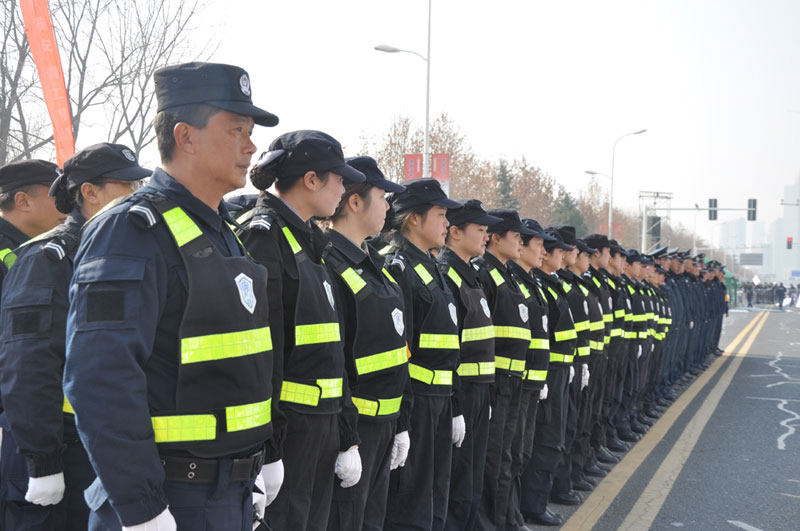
column 369, row 167
column 661, row 270
column 538, row 231
column 633, row 256
column 558, row 241
column 617, row 248
column 582, row 247
column 659, row 253
column 509, row 220
column 223, row 86
column 293, row 154
column 112, row 161
column 419, row 192
column 597, row 241
column 15, row 175
column 567, row 233
column 472, row 212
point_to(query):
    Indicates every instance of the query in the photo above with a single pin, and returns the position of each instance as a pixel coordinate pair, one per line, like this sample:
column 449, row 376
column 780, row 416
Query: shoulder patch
column 55, row 249
column 144, row 214
column 398, row 261
column 261, row 222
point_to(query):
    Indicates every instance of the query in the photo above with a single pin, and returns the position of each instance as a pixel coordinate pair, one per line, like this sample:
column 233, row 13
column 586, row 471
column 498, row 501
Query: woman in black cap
column 374, row 337
column 51, row 469
column 315, row 424
column 418, row 492
column 466, row 239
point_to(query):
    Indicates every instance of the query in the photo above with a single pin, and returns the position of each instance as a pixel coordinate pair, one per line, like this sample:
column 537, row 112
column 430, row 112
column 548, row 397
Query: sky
column 715, row 83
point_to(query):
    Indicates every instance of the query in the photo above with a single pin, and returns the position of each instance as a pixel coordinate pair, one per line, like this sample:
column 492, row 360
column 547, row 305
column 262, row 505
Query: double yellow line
column 650, row 501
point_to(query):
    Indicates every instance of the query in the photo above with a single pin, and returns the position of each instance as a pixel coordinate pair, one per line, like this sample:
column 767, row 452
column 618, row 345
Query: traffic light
column 751, row 210
column 712, row 209
column 789, row 242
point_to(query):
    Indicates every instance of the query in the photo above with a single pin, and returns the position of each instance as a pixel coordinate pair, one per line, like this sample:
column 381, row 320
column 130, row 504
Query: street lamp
column 426, row 158
column 611, row 191
column 594, row 173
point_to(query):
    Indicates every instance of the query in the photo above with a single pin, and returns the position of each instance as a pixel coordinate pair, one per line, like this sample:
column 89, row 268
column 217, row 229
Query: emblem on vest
column 329, row 293
column 629, row 303
column 245, row 286
column 544, row 322
column 610, row 303
column 586, row 307
column 485, row 306
column 523, row 313
column 399, row 325
column 453, row 314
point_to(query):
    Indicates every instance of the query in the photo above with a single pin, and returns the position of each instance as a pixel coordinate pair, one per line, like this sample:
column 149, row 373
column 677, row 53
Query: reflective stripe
column 316, row 333
column 584, row 351
column 381, row 361
column 438, row 341
column 616, row 332
column 631, row 290
column 566, row 335
column 581, row 326
column 183, row 428
column 509, row 364
column 596, row 345
column 619, row 313
column 423, row 274
column 67, row 407
column 567, row 288
column 541, row 344
column 525, row 291
column 476, row 369
column 8, row 257
column 583, row 290
column 643, row 335
column 536, row 376
column 607, row 317
column 181, row 226
column 248, row 416
column 385, row 250
column 382, row 406
column 512, row 332
column 224, row 346
column 541, row 293
column 561, row 358
column 628, row 317
column 668, row 321
column 454, row 277
column 310, row 395
column 353, row 280
column 594, row 326
column 607, row 340
column 388, row 275
column 497, row 277
column 611, row 283
column 477, row 334
column 292, row 240
column 639, row 318
column 629, row 335
column 430, row 377
column 596, row 282
column 552, row 292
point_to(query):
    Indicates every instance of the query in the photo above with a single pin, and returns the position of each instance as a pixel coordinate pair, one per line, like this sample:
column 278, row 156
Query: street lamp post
column 426, row 156
column 611, row 191
column 594, row 173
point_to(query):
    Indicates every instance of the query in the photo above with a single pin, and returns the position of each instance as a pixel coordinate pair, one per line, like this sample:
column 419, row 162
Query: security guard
column 551, row 419
column 317, row 427
column 169, row 354
column 34, row 313
column 534, row 386
column 26, row 210
column 373, row 331
column 466, row 239
column 510, row 315
column 418, row 492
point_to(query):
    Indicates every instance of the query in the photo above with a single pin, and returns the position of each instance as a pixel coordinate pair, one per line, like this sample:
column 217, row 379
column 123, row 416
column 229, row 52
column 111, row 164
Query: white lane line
column 743, row 525
column 779, row 371
column 787, row 423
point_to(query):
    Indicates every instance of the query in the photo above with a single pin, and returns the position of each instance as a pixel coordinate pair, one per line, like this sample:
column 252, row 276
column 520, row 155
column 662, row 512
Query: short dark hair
column 195, row 114
column 7, row 197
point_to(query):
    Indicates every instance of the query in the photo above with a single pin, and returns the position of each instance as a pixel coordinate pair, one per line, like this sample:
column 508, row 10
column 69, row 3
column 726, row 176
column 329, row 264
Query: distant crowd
column 769, row 293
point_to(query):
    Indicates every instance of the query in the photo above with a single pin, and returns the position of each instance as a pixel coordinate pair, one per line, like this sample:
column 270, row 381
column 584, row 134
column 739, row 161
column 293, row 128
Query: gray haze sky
column 714, row 82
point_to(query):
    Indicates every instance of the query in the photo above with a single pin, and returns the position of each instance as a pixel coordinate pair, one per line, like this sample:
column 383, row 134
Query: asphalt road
column 727, row 459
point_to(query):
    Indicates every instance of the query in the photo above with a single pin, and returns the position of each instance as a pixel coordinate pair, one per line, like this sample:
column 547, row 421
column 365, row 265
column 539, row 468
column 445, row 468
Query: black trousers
column 562, row 481
column 466, row 477
column 418, row 492
column 506, row 395
column 628, row 371
column 588, row 418
column 70, row 514
column 522, row 452
column 363, row 506
column 617, row 356
column 309, row 458
column 548, row 443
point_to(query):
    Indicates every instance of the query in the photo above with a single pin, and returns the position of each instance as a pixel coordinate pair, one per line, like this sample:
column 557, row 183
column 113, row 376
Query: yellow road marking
column 646, row 509
column 601, row 498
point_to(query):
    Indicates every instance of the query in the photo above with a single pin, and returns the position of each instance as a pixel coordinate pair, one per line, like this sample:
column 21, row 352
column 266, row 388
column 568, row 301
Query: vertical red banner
column 412, row 168
column 42, row 40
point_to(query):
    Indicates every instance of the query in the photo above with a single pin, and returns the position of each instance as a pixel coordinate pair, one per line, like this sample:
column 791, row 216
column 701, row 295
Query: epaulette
column 399, row 262
column 261, row 221
column 56, row 249
column 144, row 214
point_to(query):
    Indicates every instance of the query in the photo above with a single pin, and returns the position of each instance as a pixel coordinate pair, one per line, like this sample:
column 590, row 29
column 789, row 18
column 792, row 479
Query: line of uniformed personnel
column 322, row 355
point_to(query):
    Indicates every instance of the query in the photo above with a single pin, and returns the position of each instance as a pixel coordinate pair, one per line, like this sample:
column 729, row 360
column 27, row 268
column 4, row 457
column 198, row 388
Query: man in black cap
column 167, row 306
column 551, row 419
column 53, row 468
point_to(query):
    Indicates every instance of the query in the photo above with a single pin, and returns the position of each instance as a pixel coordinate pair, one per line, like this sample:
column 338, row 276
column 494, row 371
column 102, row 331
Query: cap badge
column 399, row 325
column 244, row 84
column 128, row 154
column 245, row 286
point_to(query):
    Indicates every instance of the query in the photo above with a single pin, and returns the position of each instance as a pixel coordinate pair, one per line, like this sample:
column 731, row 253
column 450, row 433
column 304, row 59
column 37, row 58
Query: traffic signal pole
column 648, row 209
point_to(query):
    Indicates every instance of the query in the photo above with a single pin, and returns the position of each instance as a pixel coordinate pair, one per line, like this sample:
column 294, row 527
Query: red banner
column 42, row 40
column 440, row 166
column 412, row 168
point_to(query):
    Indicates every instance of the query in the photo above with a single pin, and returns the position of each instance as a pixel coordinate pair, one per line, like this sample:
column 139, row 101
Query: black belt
column 191, row 470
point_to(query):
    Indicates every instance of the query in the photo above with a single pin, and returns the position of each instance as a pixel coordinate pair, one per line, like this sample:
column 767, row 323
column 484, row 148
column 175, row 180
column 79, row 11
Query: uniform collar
column 411, row 250
column 166, row 184
column 74, row 222
column 464, row 270
column 12, row 233
column 289, row 214
column 492, row 260
column 347, row 247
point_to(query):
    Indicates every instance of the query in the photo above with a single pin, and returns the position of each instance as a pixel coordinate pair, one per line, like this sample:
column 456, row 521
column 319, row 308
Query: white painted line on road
column 790, row 429
column 789, row 495
column 779, row 372
column 743, row 525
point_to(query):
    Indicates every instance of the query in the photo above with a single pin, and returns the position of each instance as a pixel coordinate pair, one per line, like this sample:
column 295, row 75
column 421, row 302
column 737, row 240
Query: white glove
column 400, row 448
column 272, row 477
column 259, row 500
column 348, row 467
column 162, row 522
column 459, row 430
column 571, row 373
column 543, row 392
column 46, row 490
column 584, row 376
column 639, row 352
